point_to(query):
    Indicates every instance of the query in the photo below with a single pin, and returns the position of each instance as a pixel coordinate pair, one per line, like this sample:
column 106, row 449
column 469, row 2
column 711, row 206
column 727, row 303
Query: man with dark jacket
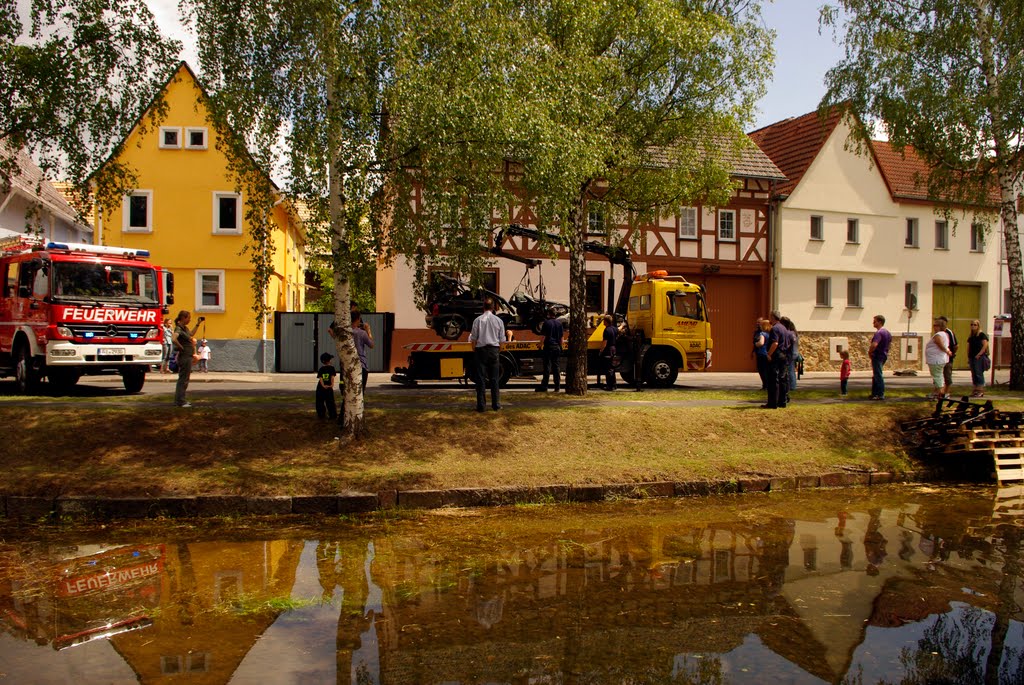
column 551, row 332
column 778, row 360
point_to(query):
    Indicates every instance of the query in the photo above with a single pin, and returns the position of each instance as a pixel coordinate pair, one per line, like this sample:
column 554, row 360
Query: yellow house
column 188, row 212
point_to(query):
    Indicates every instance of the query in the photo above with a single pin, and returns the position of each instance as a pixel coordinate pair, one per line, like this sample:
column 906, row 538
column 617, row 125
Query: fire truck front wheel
column 133, row 377
column 26, row 376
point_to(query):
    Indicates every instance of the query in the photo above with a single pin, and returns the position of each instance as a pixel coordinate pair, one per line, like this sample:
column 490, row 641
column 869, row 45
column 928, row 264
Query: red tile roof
column 904, row 171
column 793, row 144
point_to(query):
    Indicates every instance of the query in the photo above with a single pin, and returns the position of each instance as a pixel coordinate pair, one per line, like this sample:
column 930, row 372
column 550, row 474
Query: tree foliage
column 74, row 75
column 945, row 77
column 360, row 105
column 639, row 106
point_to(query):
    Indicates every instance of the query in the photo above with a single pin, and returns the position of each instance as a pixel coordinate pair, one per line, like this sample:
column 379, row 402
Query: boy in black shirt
column 325, row 406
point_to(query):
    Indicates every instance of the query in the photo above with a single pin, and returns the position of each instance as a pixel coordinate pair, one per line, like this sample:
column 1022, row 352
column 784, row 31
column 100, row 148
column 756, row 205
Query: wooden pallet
column 1009, row 463
column 1009, row 502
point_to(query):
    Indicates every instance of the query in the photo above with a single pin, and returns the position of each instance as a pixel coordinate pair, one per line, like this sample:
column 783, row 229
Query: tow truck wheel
column 133, row 378
column 452, row 328
column 507, row 365
column 62, row 380
column 661, row 371
column 25, row 377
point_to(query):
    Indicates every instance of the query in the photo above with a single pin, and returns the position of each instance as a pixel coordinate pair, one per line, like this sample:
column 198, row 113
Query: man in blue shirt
column 778, row 363
column 487, row 335
column 879, row 353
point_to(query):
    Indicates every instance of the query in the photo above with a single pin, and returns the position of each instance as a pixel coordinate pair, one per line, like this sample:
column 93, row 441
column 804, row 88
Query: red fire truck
column 70, row 309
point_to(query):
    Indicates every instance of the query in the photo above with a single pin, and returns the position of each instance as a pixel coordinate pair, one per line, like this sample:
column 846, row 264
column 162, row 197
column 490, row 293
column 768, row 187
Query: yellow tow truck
column 663, row 323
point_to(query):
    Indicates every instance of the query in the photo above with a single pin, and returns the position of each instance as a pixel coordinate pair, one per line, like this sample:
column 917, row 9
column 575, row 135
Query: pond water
column 887, row 585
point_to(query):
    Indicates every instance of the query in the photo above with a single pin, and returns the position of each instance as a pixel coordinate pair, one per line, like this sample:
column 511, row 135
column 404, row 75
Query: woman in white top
column 936, row 355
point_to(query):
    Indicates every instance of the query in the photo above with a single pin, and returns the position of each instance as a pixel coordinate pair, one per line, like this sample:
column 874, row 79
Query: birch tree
column 358, row 104
column 74, row 74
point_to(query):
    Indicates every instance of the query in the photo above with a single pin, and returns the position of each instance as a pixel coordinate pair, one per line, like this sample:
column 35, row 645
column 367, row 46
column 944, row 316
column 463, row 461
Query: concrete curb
column 46, row 509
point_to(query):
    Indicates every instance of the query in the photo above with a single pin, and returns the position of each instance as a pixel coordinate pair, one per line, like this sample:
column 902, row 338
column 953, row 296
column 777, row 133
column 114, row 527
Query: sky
column 802, row 55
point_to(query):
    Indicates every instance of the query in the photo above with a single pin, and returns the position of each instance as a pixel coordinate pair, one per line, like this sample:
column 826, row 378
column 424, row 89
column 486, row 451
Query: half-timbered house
column 727, row 249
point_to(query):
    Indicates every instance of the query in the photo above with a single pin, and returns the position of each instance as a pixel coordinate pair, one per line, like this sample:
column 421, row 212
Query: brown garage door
column 733, row 304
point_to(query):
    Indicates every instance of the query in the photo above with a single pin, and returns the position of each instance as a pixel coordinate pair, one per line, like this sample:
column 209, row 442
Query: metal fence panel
column 296, row 338
column 303, row 336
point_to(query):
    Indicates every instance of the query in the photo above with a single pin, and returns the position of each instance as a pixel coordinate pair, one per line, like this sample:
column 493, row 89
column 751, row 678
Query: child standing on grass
column 844, row 372
column 325, row 406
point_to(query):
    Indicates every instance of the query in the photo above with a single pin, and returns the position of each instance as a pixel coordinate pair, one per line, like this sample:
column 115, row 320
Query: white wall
column 841, row 185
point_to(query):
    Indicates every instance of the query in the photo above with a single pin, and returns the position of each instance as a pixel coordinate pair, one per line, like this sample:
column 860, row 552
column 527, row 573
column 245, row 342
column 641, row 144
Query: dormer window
column 195, row 138
column 170, row 137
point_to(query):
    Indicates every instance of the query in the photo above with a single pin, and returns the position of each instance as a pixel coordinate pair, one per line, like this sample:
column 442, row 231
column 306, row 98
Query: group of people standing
column 941, row 349
column 777, row 352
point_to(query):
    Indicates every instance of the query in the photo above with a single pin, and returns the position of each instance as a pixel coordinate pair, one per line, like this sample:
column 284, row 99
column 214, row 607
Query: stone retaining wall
column 815, row 348
column 46, row 509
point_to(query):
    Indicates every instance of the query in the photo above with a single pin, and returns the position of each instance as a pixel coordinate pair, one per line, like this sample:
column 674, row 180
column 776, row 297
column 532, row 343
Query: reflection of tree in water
column 706, row 670
column 951, row 651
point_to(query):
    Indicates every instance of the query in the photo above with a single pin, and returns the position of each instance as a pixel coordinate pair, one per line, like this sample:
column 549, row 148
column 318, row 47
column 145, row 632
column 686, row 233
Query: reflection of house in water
column 187, row 598
column 796, row 598
column 203, row 628
column 563, row 606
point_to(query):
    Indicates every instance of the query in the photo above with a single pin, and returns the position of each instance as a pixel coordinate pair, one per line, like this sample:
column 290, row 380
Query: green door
column 961, row 304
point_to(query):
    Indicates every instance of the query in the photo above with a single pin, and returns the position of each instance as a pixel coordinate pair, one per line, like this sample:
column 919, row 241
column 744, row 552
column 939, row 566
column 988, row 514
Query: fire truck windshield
column 104, row 282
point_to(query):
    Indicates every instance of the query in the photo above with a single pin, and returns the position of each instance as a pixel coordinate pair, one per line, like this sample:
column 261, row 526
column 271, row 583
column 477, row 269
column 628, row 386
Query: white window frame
column 853, row 224
column 218, row 195
column 823, row 301
column 942, row 231
column 126, row 212
column 189, row 130
column 914, row 230
column 685, row 216
column 597, row 219
column 722, row 213
column 855, row 293
column 219, row 273
column 817, row 227
column 170, row 129
column 977, row 237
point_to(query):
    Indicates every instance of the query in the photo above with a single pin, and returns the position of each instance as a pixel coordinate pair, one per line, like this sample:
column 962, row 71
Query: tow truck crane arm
column 615, row 256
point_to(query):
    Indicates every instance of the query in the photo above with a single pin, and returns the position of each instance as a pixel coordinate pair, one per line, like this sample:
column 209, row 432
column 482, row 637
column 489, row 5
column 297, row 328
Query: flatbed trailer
column 442, row 361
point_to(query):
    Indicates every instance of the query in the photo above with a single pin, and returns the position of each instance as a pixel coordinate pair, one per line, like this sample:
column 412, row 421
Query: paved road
column 216, row 384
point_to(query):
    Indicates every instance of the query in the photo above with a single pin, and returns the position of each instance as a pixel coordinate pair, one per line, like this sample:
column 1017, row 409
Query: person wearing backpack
column 947, row 371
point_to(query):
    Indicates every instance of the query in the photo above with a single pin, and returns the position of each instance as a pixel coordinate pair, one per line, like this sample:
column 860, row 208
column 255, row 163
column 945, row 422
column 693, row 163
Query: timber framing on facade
column 727, row 249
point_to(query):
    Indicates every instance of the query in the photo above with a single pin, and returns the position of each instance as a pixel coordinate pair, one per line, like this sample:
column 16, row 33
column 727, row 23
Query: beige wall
column 841, row 185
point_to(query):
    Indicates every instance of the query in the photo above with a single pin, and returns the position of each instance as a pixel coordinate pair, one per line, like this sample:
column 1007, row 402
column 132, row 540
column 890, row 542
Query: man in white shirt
column 487, row 334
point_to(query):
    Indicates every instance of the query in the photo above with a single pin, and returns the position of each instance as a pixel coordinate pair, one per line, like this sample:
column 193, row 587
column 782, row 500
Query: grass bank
column 242, row 448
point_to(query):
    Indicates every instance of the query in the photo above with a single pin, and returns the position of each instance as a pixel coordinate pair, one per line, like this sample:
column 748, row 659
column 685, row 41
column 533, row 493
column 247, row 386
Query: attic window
column 170, row 137
column 195, row 138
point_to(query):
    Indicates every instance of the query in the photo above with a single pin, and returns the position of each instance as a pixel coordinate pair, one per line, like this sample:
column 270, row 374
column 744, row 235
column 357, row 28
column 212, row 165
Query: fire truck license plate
column 111, row 351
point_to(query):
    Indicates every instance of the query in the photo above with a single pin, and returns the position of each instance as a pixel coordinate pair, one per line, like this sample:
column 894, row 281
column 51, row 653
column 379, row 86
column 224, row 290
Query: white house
column 857, row 236
column 34, row 205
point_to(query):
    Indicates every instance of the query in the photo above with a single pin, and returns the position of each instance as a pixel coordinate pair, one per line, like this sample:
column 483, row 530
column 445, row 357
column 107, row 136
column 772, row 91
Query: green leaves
column 74, row 77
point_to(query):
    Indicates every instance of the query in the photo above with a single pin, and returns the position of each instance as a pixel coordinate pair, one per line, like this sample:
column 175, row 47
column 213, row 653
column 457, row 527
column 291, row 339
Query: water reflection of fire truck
column 68, row 310
column 83, row 594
